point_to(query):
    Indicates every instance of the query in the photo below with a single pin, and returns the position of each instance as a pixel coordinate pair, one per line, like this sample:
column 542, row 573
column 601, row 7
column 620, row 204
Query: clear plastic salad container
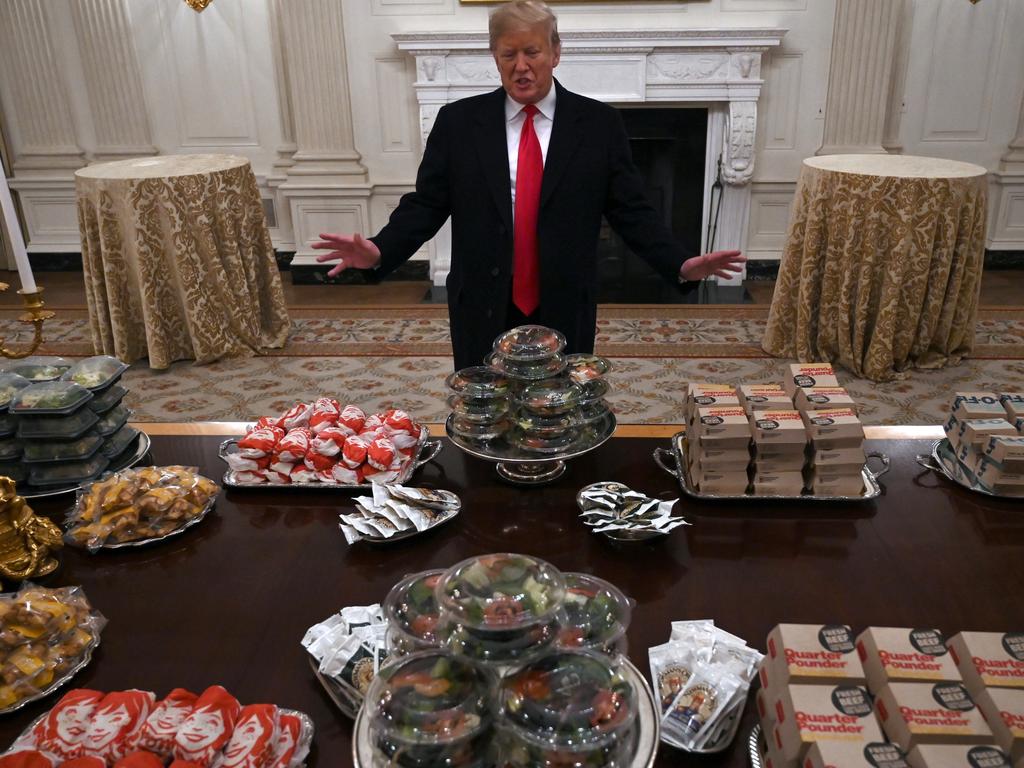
column 10, row 384
column 478, row 381
column 432, row 709
column 13, row 470
column 593, row 391
column 113, row 420
column 118, row 442
column 582, row 367
column 568, row 708
column 68, row 427
column 544, row 445
column 8, row 425
column 478, row 410
column 594, row 615
column 68, row 473
column 472, row 430
column 414, row 618
column 546, row 426
column 529, row 342
column 40, row 368
column 551, row 397
column 531, row 371
column 95, row 373
column 62, row 450
column 10, row 449
column 104, row 401
column 51, row 398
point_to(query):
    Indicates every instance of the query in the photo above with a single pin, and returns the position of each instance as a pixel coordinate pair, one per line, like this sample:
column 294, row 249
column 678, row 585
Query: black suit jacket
column 464, row 174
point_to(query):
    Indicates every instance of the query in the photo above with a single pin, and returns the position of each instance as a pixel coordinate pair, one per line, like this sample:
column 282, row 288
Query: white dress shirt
column 542, row 122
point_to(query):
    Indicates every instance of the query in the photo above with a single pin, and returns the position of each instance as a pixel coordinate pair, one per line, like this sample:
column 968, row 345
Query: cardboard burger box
column 773, row 429
column 930, row 713
column 1007, row 451
column 778, row 483
column 779, row 462
column 839, row 460
column 891, row 654
column 852, row 754
column 815, row 398
column 727, row 459
column 1013, row 402
column 835, row 484
column 978, row 432
column 834, row 428
column 725, row 427
column 810, row 653
column 720, row 482
column 806, row 714
column 802, row 375
column 707, row 395
column 977, row 405
column 991, row 477
column 772, row 757
column 760, row 397
column 957, row 756
column 989, row 658
column 1004, row 710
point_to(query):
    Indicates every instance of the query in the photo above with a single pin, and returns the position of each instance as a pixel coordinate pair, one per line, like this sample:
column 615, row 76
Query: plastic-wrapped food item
column 584, row 368
column 551, row 397
column 480, row 410
column 68, row 427
column 529, row 342
column 114, row 722
column 208, row 726
column 253, row 740
column 113, row 420
column 118, row 442
column 701, row 704
column 40, row 368
column 432, row 709
column 531, row 371
column 594, row 615
column 69, row 472
column 157, row 734
column 62, row 730
column 294, row 736
column 10, row 449
column 103, row 402
column 95, row 373
column 138, row 505
column 478, row 382
column 44, row 635
column 414, row 618
column 76, row 450
column 568, row 708
column 10, row 385
column 57, row 398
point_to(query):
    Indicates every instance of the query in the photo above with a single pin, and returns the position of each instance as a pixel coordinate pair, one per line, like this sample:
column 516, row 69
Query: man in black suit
column 526, row 173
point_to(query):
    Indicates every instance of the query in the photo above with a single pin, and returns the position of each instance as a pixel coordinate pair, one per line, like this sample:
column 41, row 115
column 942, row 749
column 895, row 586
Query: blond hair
column 517, row 15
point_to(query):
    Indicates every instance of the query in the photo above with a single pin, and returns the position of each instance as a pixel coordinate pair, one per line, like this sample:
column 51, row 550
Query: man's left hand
column 725, row 264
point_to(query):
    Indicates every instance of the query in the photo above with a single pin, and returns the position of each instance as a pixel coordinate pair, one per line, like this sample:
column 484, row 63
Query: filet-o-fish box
column 977, row 405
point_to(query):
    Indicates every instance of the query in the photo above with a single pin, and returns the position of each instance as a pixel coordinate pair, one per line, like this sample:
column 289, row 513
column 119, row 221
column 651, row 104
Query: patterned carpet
column 400, row 357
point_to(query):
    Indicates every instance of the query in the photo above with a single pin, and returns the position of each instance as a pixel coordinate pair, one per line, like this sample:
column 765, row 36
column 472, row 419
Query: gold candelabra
column 34, row 313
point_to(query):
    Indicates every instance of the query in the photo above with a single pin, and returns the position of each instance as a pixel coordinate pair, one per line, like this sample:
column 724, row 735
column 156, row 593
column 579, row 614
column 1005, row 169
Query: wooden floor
column 65, row 290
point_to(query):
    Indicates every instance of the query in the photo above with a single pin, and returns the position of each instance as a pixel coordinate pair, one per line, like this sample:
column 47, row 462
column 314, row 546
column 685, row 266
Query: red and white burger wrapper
column 208, row 727
column 157, row 733
column 114, row 722
column 254, row 740
column 63, row 729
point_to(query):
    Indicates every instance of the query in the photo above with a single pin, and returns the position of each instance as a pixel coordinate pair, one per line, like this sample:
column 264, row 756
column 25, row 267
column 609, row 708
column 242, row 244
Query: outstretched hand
column 350, row 251
column 725, row 264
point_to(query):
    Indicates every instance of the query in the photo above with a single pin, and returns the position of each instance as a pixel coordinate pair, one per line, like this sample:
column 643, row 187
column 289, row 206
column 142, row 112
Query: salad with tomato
column 414, row 618
column 594, row 615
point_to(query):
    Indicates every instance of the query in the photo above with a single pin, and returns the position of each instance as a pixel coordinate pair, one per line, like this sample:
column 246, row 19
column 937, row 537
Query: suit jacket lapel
column 492, row 149
column 565, row 140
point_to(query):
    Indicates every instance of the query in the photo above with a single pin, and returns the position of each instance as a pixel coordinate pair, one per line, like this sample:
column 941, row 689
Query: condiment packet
column 699, row 706
column 609, row 507
column 394, row 508
column 671, row 669
column 425, row 497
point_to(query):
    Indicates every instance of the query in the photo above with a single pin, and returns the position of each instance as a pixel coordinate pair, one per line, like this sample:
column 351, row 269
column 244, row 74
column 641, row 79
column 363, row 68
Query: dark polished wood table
column 229, row 601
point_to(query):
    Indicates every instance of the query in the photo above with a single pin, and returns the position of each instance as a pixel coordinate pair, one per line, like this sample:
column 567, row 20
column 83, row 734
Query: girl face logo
column 166, row 721
column 246, row 735
column 72, row 721
column 200, row 730
column 106, row 725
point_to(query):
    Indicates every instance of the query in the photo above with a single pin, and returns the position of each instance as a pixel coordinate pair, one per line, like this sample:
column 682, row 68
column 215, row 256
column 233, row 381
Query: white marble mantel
column 717, row 68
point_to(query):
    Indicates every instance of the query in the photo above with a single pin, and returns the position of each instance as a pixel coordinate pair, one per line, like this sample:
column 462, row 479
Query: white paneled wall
column 89, row 80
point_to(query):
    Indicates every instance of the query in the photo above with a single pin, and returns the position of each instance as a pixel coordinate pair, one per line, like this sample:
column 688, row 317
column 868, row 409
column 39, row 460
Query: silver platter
column 755, row 747
column 680, row 470
column 86, row 658
column 409, row 533
column 525, row 468
column 943, row 460
column 426, row 451
column 647, row 716
column 154, row 540
column 131, row 458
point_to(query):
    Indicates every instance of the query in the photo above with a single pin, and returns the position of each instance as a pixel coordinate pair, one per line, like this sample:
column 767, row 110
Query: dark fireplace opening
column 668, row 146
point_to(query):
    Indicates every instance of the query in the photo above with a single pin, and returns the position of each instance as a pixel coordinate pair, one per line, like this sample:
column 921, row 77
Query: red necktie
column 526, row 264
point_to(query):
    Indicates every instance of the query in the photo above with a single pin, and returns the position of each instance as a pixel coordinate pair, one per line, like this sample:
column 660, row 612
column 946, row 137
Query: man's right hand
column 349, row 251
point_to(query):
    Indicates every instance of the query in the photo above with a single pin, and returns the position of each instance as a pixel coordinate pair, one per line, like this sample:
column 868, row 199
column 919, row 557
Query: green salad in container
column 40, row 368
column 594, row 615
column 432, row 709
column 50, row 397
column 529, row 342
column 10, row 385
column 414, row 618
column 95, row 373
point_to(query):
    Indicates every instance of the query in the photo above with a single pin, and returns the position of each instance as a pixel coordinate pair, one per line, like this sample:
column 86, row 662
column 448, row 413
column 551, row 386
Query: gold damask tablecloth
column 178, row 261
column 882, row 264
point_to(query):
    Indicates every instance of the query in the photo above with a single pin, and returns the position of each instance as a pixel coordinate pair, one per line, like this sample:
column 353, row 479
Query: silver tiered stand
column 521, row 467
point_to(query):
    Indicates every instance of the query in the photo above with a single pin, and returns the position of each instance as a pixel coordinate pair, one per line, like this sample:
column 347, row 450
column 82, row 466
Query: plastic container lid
column 40, row 368
column 95, row 373
column 594, row 615
column 429, row 699
column 117, row 443
column 10, row 449
column 550, row 397
column 10, row 383
column 473, row 430
column 544, row 445
column 8, row 425
column 412, row 611
column 546, row 426
column 514, row 646
column 478, row 411
column 569, row 699
column 13, row 470
column 529, row 342
column 68, row 473
column 63, row 450
column 101, row 403
column 501, row 592
column 57, row 398
column 478, row 381
column 583, row 367
column 113, row 420
column 68, row 427
column 542, row 369
column 592, row 391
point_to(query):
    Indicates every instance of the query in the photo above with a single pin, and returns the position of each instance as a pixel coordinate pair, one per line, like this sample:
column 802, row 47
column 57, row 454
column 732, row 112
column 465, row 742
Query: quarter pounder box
column 989, row 658
column 838, row 484
column 811, row 653
column 760, row 397
column 1013, row 402
column 978, row 405
column 779, row 462
column 851, row 754
column 727, row 422
column 1004, row 710
column 803, row 375
column 720, row 483
column 778, row 483
column 772, row 428
column 956, row 756
column 849, row 460
column 815, row 398
column 805, row 714
column 705, row 395
column 892, row 654
column 834, row 428
column 930, row 713
column 773, row 757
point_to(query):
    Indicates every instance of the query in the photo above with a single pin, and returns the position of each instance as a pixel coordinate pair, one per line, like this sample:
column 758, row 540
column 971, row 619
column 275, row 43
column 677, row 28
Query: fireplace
column 715, row 70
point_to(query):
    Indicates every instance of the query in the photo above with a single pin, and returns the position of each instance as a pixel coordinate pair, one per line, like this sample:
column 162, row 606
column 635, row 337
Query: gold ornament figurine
column 26, row 539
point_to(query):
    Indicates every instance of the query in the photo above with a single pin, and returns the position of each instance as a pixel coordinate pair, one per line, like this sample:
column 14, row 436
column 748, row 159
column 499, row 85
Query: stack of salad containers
column 64, row 423
column 588, row 373
column 479, row 403
column 503, row 659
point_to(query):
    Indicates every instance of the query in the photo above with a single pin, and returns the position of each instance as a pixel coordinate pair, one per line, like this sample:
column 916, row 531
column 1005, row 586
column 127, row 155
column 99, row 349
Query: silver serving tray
column 348, row 706
column 943, row 460
column 426, row 451
column 153, row 540
column 680, row 470
column 646, row 748
column 408, row 534
column 754, row 747
column 86, row 658
column 142, row 445
column 500, row 450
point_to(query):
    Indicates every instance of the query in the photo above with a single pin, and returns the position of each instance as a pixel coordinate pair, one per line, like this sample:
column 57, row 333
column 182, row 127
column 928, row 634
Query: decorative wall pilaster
column 1013, row 160
column 44, row 131
column 284, row 99
column 863, row 53
column 1006, row 227
column 111, row 70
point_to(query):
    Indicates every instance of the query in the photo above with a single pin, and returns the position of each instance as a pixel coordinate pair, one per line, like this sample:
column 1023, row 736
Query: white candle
column 28, row 284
